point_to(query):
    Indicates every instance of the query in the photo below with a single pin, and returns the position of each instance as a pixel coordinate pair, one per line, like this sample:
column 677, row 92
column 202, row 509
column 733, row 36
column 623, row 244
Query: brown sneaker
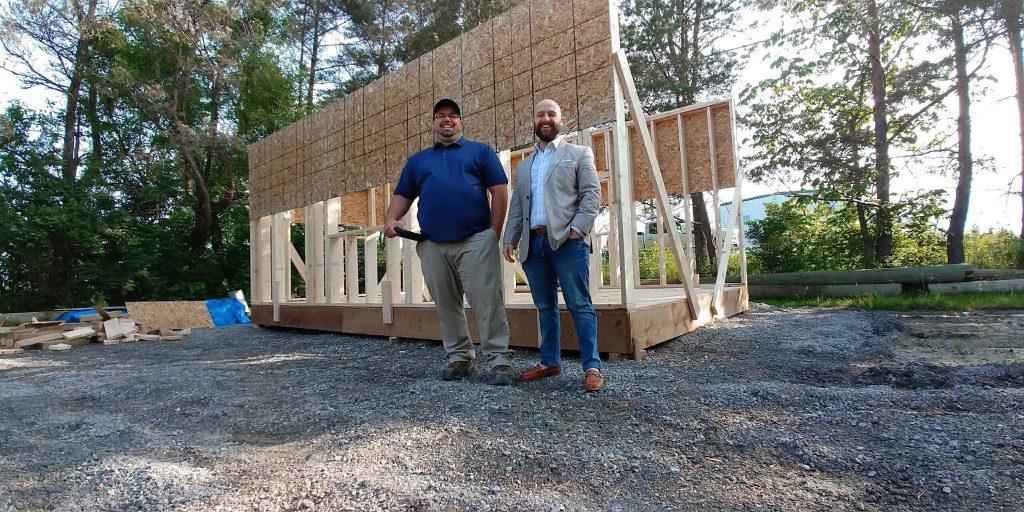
column 593, row 380
column 457, row 370
column 539, row 372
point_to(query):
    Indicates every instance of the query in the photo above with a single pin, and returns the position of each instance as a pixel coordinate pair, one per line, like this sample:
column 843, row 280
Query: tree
column 849, row 80
column 676, row 59
column 1012, row 14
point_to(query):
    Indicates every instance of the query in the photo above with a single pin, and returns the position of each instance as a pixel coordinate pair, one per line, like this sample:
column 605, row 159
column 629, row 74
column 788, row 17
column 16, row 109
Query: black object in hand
column 411, row 235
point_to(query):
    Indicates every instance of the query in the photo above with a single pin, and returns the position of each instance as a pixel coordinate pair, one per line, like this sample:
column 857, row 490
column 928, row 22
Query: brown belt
column 539, row 231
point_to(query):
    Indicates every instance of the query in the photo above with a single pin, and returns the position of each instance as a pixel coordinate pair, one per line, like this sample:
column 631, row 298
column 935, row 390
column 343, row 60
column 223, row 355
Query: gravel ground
column 799, row 409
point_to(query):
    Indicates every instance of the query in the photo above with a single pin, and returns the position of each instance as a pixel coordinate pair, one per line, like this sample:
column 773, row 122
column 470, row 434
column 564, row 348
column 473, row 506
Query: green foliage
column 797, row 236
column 991, row 249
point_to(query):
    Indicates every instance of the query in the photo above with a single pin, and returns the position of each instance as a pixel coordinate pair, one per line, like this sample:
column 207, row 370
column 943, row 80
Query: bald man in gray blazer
column 554, row 204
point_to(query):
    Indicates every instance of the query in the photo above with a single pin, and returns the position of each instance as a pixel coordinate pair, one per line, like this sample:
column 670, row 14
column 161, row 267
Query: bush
column 991, row 249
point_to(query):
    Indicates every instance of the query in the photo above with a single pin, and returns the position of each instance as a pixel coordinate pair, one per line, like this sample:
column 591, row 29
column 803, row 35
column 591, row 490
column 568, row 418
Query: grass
column 955, row 302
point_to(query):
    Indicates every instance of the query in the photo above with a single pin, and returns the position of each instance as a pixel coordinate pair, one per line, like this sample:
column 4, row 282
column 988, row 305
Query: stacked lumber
column 108, row 328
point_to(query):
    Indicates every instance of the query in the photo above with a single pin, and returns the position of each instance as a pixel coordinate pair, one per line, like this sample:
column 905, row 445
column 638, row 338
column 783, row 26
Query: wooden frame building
column 333, row 173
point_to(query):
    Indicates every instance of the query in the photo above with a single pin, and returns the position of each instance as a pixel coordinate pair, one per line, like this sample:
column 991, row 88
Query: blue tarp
column 227, row 312
column 76, row 315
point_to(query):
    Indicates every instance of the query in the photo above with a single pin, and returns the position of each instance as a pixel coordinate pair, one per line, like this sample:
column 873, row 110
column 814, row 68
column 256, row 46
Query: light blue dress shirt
column 538, row 171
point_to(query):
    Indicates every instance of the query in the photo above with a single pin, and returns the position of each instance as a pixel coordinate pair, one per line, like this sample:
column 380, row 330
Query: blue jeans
column 545, row 269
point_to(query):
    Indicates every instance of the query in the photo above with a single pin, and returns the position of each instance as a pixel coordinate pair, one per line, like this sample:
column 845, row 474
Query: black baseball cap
column 447, row 102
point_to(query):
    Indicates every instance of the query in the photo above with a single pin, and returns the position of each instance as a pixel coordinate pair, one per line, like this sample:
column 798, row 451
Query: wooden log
column 1005, row 285
column 994, row 274
column 796, row 291
column 908, row 275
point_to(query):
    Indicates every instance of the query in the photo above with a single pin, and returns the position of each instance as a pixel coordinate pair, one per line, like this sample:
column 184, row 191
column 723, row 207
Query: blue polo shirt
column 451, row 183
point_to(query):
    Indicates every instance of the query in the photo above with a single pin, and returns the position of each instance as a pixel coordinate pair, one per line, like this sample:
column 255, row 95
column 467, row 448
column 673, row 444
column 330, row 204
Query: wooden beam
column 622, row 175
column 254, row 260
column 370, row 267
column 586, row 139
column 281, row 278
column 737, row 200
column 387, row 301
column 654, row 172
column 334, row 278
column 293, row 253
column 352, row 268
column 508, row 270
column 714, row 181
column 687, row 206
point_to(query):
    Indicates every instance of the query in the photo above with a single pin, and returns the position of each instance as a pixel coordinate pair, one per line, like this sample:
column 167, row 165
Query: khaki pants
column 472, row 268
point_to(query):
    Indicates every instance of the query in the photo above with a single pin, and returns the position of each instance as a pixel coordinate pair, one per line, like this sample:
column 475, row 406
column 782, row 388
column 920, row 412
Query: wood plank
column 265, row 267
column 622, row 178
column 79, row 333
column 300, row 266
column 43, row 337
column 508, row 270
column 352, row 268
column 101, row 312
column 371, row 283
column 387, row 301
column 11, row 351
column 335, row 259
column 112, row 329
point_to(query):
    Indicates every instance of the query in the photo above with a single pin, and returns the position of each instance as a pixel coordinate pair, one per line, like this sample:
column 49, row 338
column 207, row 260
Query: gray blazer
column 572, row 197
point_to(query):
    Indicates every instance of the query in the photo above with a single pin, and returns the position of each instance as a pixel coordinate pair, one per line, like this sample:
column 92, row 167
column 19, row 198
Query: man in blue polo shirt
column 452, row 179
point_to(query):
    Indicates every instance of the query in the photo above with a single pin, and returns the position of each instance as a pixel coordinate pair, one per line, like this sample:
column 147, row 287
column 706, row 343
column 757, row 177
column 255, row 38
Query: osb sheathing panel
column 504, row 129
column 480, row 126
column 502, row 33
column 698, row 156
column 523, row 122
column 538, row 49
column 546, row 14
column 170, row 314
column 448, row 70
column 479, row 47
column 355, row 207
column 558, row 45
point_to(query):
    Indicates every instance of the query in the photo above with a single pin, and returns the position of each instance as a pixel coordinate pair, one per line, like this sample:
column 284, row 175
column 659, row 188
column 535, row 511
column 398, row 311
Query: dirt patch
column 960, row 338
column 777, row 409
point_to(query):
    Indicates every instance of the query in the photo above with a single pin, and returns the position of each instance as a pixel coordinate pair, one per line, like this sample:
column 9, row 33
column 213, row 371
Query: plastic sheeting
column 227, row 312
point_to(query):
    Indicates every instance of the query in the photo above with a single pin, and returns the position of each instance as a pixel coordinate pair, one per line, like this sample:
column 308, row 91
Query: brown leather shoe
column 539, row 372
column 593, row 380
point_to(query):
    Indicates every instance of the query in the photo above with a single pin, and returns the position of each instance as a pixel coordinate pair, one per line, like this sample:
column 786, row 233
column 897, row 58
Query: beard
column 551, row 134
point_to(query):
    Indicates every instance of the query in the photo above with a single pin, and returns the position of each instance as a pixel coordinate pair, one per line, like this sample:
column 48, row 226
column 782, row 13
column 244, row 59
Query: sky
column 994, row 130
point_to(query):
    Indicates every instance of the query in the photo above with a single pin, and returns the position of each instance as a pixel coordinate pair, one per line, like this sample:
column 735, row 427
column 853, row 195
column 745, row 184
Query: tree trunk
column 865, row 236
column 704, row 241
column 314, row 50
column 883, row 218
column 958, row 219
column 1011, row 16
column 69, row 155
column 95, row 130
column 302, row 49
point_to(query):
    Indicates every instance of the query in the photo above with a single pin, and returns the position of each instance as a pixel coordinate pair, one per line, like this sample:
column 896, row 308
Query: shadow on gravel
column 929, row 376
